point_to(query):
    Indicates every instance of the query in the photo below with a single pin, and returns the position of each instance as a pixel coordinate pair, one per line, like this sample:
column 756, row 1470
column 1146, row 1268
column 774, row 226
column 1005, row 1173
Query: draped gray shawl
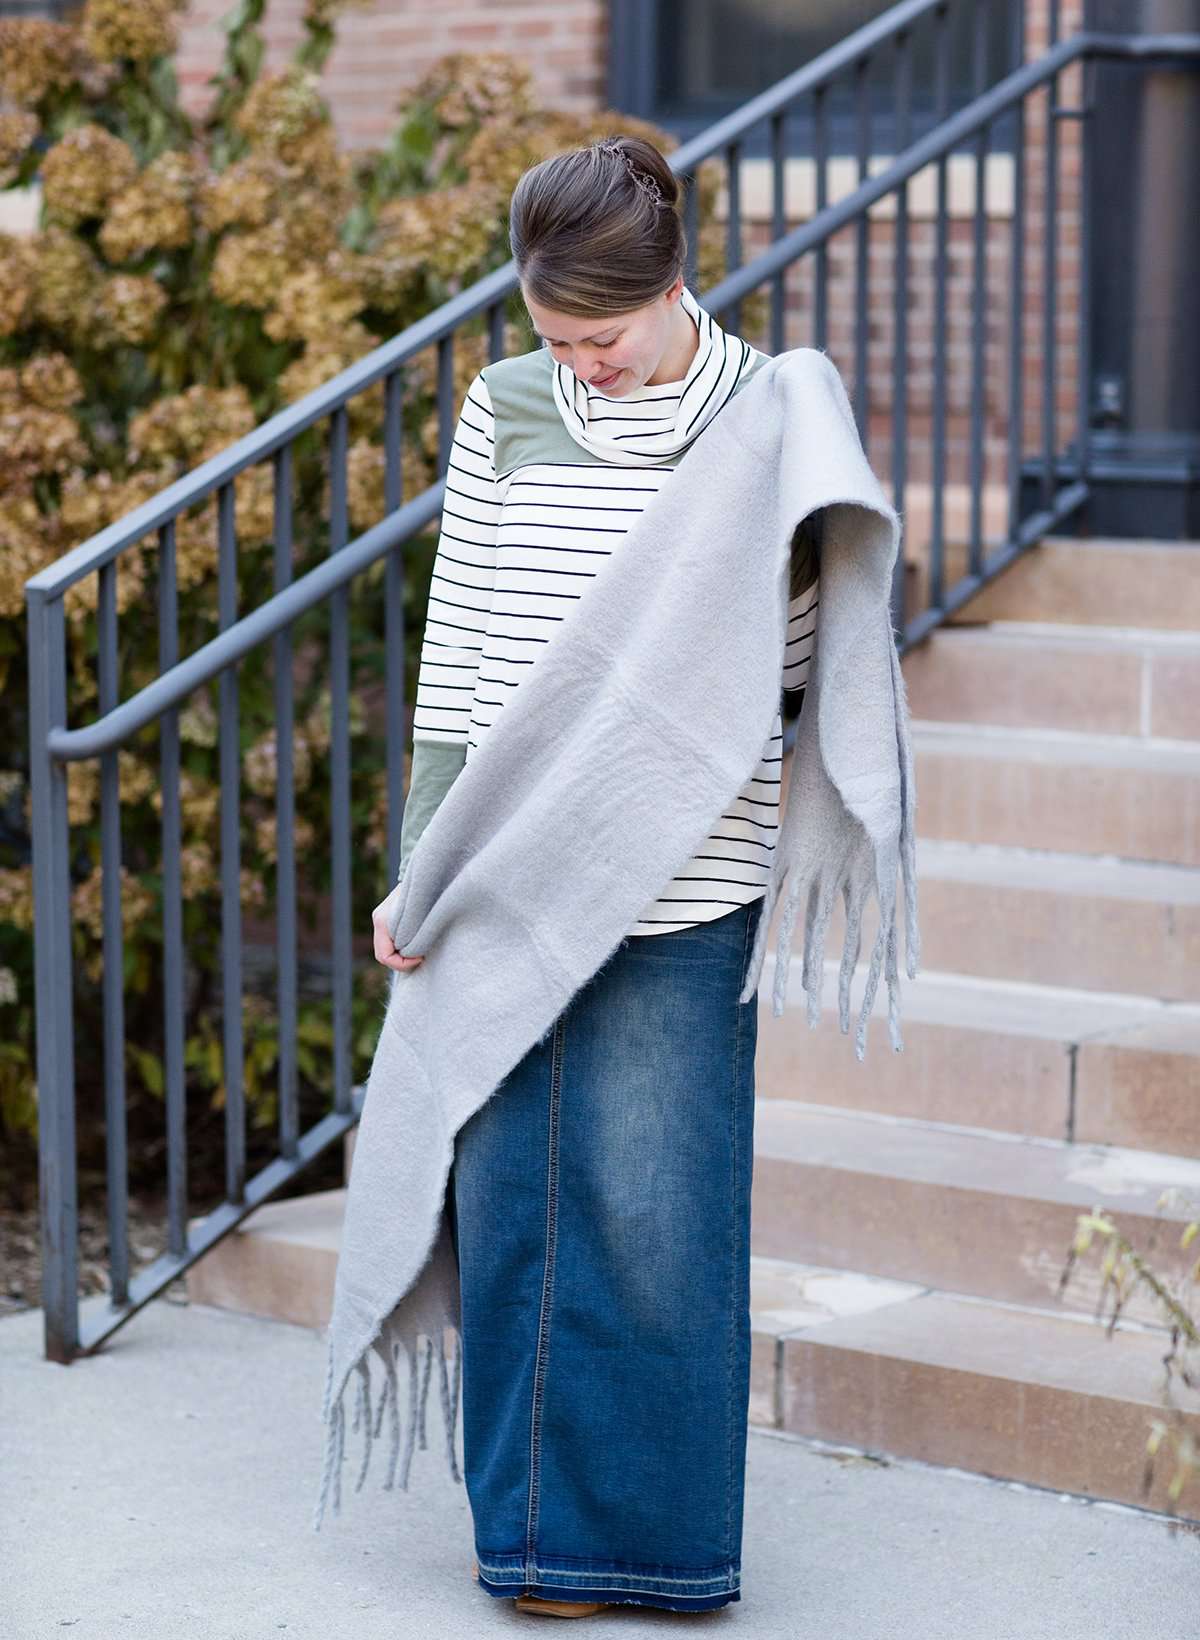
column 556, row 834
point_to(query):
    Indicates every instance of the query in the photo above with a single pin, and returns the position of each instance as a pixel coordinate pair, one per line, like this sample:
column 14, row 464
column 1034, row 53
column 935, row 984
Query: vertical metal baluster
column 286, row 924
column 1016, row 332
column 691, row 225
column 979, row 283
column 53, row 979
column 732, row 319
column 937, row 537
column 1049, row 281
column 1084, row 332
column 903, row 105
column 447, row 408
column 339, row 766
column 230, row 761
column 821, row 162
column 778, row 228
column 395, row 647
column 116, row 1138
column 496, row 320
column 862, row 258
column 170, row 762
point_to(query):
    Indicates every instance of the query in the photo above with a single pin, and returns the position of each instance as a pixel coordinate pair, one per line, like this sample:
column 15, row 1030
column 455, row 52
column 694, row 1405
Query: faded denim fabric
column 600, row 1209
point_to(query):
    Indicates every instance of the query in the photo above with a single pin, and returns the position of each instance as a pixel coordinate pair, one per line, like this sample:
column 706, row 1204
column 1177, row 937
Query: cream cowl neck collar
column 719, row 364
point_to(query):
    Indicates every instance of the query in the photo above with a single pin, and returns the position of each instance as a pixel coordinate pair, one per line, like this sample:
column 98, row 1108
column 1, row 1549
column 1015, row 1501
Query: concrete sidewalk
column 166, row 1486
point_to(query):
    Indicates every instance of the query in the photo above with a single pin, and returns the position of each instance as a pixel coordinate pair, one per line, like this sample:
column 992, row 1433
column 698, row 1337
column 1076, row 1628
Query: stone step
column 970, row 1208
column 1050, row 1061
column 1041, row 1061
column 906, row 1371
column 973, row 1212
column 1096, row 581
column 1136, row 797
column 885, row 1366
column 280, row 1262
column 1104, row 680
column 1096, row 922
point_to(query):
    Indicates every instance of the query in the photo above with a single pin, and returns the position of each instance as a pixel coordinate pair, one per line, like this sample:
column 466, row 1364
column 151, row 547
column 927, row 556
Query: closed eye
column 607, row 343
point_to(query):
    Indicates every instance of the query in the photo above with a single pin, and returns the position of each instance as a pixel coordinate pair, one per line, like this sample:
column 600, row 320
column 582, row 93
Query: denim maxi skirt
column 599, row 1205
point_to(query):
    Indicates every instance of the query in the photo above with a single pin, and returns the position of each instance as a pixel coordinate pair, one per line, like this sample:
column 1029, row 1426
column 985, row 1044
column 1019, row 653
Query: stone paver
column 165, row 1488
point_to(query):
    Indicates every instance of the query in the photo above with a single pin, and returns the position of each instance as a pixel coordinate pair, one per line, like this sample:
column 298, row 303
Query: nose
column 590, row 372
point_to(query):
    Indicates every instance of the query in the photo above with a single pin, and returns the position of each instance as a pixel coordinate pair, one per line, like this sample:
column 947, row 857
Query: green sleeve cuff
column 436, row 765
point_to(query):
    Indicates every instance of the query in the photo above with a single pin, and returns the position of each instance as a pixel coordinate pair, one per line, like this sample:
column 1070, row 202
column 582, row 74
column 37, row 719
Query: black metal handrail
column 53, row 745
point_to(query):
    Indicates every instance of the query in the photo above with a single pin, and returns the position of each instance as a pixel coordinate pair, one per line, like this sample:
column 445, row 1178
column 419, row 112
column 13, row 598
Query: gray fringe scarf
column 556, row 834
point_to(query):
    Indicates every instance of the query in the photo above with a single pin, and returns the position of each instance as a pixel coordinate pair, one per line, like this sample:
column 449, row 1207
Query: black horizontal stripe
column 450, row 581
column 449, row 603
column 537, row 592
column 578, row 529
column 566, row 506
column 724, row 837
column 550, row 484
column 647, row 423
column 453, row 625
column 465, row 540
column 545, row 546
column 482, row 431
column 544, row 569
column 693, row 899
column 466, row 518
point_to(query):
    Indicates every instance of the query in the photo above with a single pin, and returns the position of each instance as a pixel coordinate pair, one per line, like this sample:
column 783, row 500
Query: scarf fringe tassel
column 334, row 1415
column 850, row 879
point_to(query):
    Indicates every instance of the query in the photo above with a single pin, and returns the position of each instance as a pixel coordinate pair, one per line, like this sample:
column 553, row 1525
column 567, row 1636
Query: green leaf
column 247, row 54
column 244, row 12
column 150, row 1068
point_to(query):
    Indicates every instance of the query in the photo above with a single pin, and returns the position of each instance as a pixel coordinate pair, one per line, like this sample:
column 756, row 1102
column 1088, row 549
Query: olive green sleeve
column 436, row 765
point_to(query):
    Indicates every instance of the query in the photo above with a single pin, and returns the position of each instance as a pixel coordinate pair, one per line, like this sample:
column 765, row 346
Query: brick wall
column 382, row 50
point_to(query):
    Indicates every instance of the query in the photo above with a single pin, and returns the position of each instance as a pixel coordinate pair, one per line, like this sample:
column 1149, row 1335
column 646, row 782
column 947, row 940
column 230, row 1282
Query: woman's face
column 614, row 353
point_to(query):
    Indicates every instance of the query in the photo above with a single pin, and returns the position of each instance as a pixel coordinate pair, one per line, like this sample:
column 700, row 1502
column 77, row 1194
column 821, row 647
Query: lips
column 606, row 381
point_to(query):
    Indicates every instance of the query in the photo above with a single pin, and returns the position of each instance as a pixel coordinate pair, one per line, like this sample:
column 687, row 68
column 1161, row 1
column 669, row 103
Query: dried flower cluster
column 67, row 279
column 83, row 171
column 444, row 233
column 36, row 59
column 16, row 897
column 128, row 308
column 136, row 30
column 316, row 300
column 190, row 426
column 17, row 282
column 17, row 131
column 33, row 441
column 474, row 88
column 156, row 211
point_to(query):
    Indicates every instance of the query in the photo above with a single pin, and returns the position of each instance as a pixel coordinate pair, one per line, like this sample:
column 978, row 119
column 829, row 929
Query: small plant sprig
column 1123, row 1270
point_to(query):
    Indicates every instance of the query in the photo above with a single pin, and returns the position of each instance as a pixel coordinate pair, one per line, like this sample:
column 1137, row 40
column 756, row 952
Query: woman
column 600, row 1200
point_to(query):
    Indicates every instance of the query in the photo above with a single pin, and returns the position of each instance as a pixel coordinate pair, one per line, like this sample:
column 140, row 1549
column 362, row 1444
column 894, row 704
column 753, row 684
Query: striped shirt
column 514, row 555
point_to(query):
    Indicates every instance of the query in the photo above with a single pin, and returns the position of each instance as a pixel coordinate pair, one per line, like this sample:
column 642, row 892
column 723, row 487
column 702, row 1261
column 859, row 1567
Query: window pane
column 715, row 54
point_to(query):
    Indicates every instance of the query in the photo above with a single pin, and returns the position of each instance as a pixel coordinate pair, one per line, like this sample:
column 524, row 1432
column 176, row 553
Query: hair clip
column 648, row 184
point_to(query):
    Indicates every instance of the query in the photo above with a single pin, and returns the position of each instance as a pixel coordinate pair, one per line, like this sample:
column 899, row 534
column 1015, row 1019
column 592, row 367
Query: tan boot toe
column 559, row 1608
